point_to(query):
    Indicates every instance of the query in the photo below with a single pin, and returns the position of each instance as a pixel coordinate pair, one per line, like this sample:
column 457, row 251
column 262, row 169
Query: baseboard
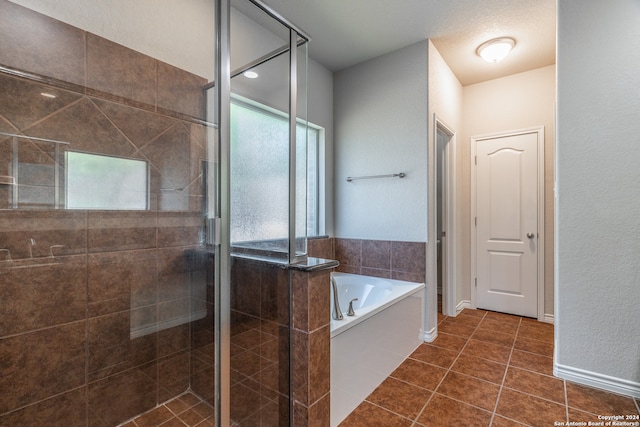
column 462, row 305
column 593, row 379
column 548, row 318
column 429, row 336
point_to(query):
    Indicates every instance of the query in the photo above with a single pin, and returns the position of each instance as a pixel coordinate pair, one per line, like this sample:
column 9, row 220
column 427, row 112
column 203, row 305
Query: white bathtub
column 367, row 347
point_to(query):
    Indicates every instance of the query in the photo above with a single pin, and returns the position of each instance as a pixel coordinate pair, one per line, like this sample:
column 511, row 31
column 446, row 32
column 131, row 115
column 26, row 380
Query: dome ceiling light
column 496, row 49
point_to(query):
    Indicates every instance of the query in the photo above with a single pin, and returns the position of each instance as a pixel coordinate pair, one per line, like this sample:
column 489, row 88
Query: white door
column 506, row 196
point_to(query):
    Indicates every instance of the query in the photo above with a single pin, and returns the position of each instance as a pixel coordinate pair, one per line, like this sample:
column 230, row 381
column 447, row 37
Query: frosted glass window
column 95, row 181
column 260, row 174
column 313, row 179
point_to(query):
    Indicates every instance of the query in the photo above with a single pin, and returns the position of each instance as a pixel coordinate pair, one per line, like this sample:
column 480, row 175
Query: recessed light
column 48, row 95
column 496, row 49
column 250, row 74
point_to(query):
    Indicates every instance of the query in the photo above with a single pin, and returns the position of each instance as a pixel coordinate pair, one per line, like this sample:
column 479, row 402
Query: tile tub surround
column 377, row 258
column 92, row 324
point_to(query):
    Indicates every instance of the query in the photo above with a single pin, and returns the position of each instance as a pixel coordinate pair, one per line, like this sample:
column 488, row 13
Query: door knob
column 530, row 235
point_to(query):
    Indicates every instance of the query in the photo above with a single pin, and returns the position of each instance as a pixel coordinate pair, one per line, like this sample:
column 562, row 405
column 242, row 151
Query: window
column 260, row 173
column 95, row 181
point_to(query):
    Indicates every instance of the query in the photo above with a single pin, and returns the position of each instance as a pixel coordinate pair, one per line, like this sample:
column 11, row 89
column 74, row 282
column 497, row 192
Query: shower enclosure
column 152, row 207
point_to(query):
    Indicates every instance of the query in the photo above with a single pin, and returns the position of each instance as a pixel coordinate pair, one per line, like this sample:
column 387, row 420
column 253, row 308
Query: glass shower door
column 258, row 136
column 106, row 278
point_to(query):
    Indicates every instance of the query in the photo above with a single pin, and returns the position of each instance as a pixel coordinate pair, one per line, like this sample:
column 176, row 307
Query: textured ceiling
column 347, row 32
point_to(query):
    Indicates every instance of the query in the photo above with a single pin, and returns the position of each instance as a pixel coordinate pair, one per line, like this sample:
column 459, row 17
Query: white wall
column 445, row 91
column 514, row 102
column 380, row 114
column 320, row 110
column 598, row 194
column 445, row 101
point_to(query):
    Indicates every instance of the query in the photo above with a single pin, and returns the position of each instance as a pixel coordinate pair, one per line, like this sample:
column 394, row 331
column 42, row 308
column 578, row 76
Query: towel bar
column 392, row 175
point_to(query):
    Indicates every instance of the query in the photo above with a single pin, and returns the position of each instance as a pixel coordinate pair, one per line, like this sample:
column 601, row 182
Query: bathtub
column 367, row 347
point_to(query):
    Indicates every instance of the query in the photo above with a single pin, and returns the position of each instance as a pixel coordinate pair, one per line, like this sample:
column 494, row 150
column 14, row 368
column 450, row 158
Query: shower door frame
column 223, row 75
column 222, row 263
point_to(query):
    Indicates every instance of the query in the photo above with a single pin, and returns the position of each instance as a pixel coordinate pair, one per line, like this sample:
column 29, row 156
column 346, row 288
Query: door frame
column 539, row 130
column 449, row 199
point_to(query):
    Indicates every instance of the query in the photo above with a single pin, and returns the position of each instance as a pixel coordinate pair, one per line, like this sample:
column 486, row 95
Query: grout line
column 387, row 409
column 174, row 414
column 414, row 421
column 520, row 423
column 532, row 371
column 421, row 411
column 520, row 323
column 566, row 399
column 504, row 377
column 535, row 396
column 507, row 365
column 465, row 403
column 449, row 368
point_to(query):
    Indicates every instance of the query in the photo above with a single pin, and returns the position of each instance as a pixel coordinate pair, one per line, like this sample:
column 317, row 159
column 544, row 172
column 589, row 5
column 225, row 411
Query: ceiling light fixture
column 250, row 74
column 496, row 49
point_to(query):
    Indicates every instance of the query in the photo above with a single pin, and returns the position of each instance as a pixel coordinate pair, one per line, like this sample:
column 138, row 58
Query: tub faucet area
column 350, row 312
column 337, row 313
column 32, row 243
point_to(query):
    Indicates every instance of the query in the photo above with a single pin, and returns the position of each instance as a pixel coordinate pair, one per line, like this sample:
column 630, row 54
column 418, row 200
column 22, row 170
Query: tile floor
column 485, row 369
column 185, row 410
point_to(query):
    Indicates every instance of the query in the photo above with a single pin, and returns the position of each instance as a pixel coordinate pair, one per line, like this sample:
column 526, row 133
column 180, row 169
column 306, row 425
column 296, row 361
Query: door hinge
column 213, row 231
column 476, row 159
column 476, row 282
column 475, row 219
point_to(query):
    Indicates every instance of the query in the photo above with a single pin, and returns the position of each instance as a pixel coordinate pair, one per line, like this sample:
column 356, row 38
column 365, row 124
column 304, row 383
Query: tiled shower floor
column 185, row 410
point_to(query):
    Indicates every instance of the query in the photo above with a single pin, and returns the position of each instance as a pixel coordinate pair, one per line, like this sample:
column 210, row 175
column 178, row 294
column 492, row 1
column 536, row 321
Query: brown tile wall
column 54, row 51
column 259, row 343
column 377, row 258
column 173, row 148
column 66, row 322
column 311, row 348
column 80, row 340
column 262, row 334
column 128, row 105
